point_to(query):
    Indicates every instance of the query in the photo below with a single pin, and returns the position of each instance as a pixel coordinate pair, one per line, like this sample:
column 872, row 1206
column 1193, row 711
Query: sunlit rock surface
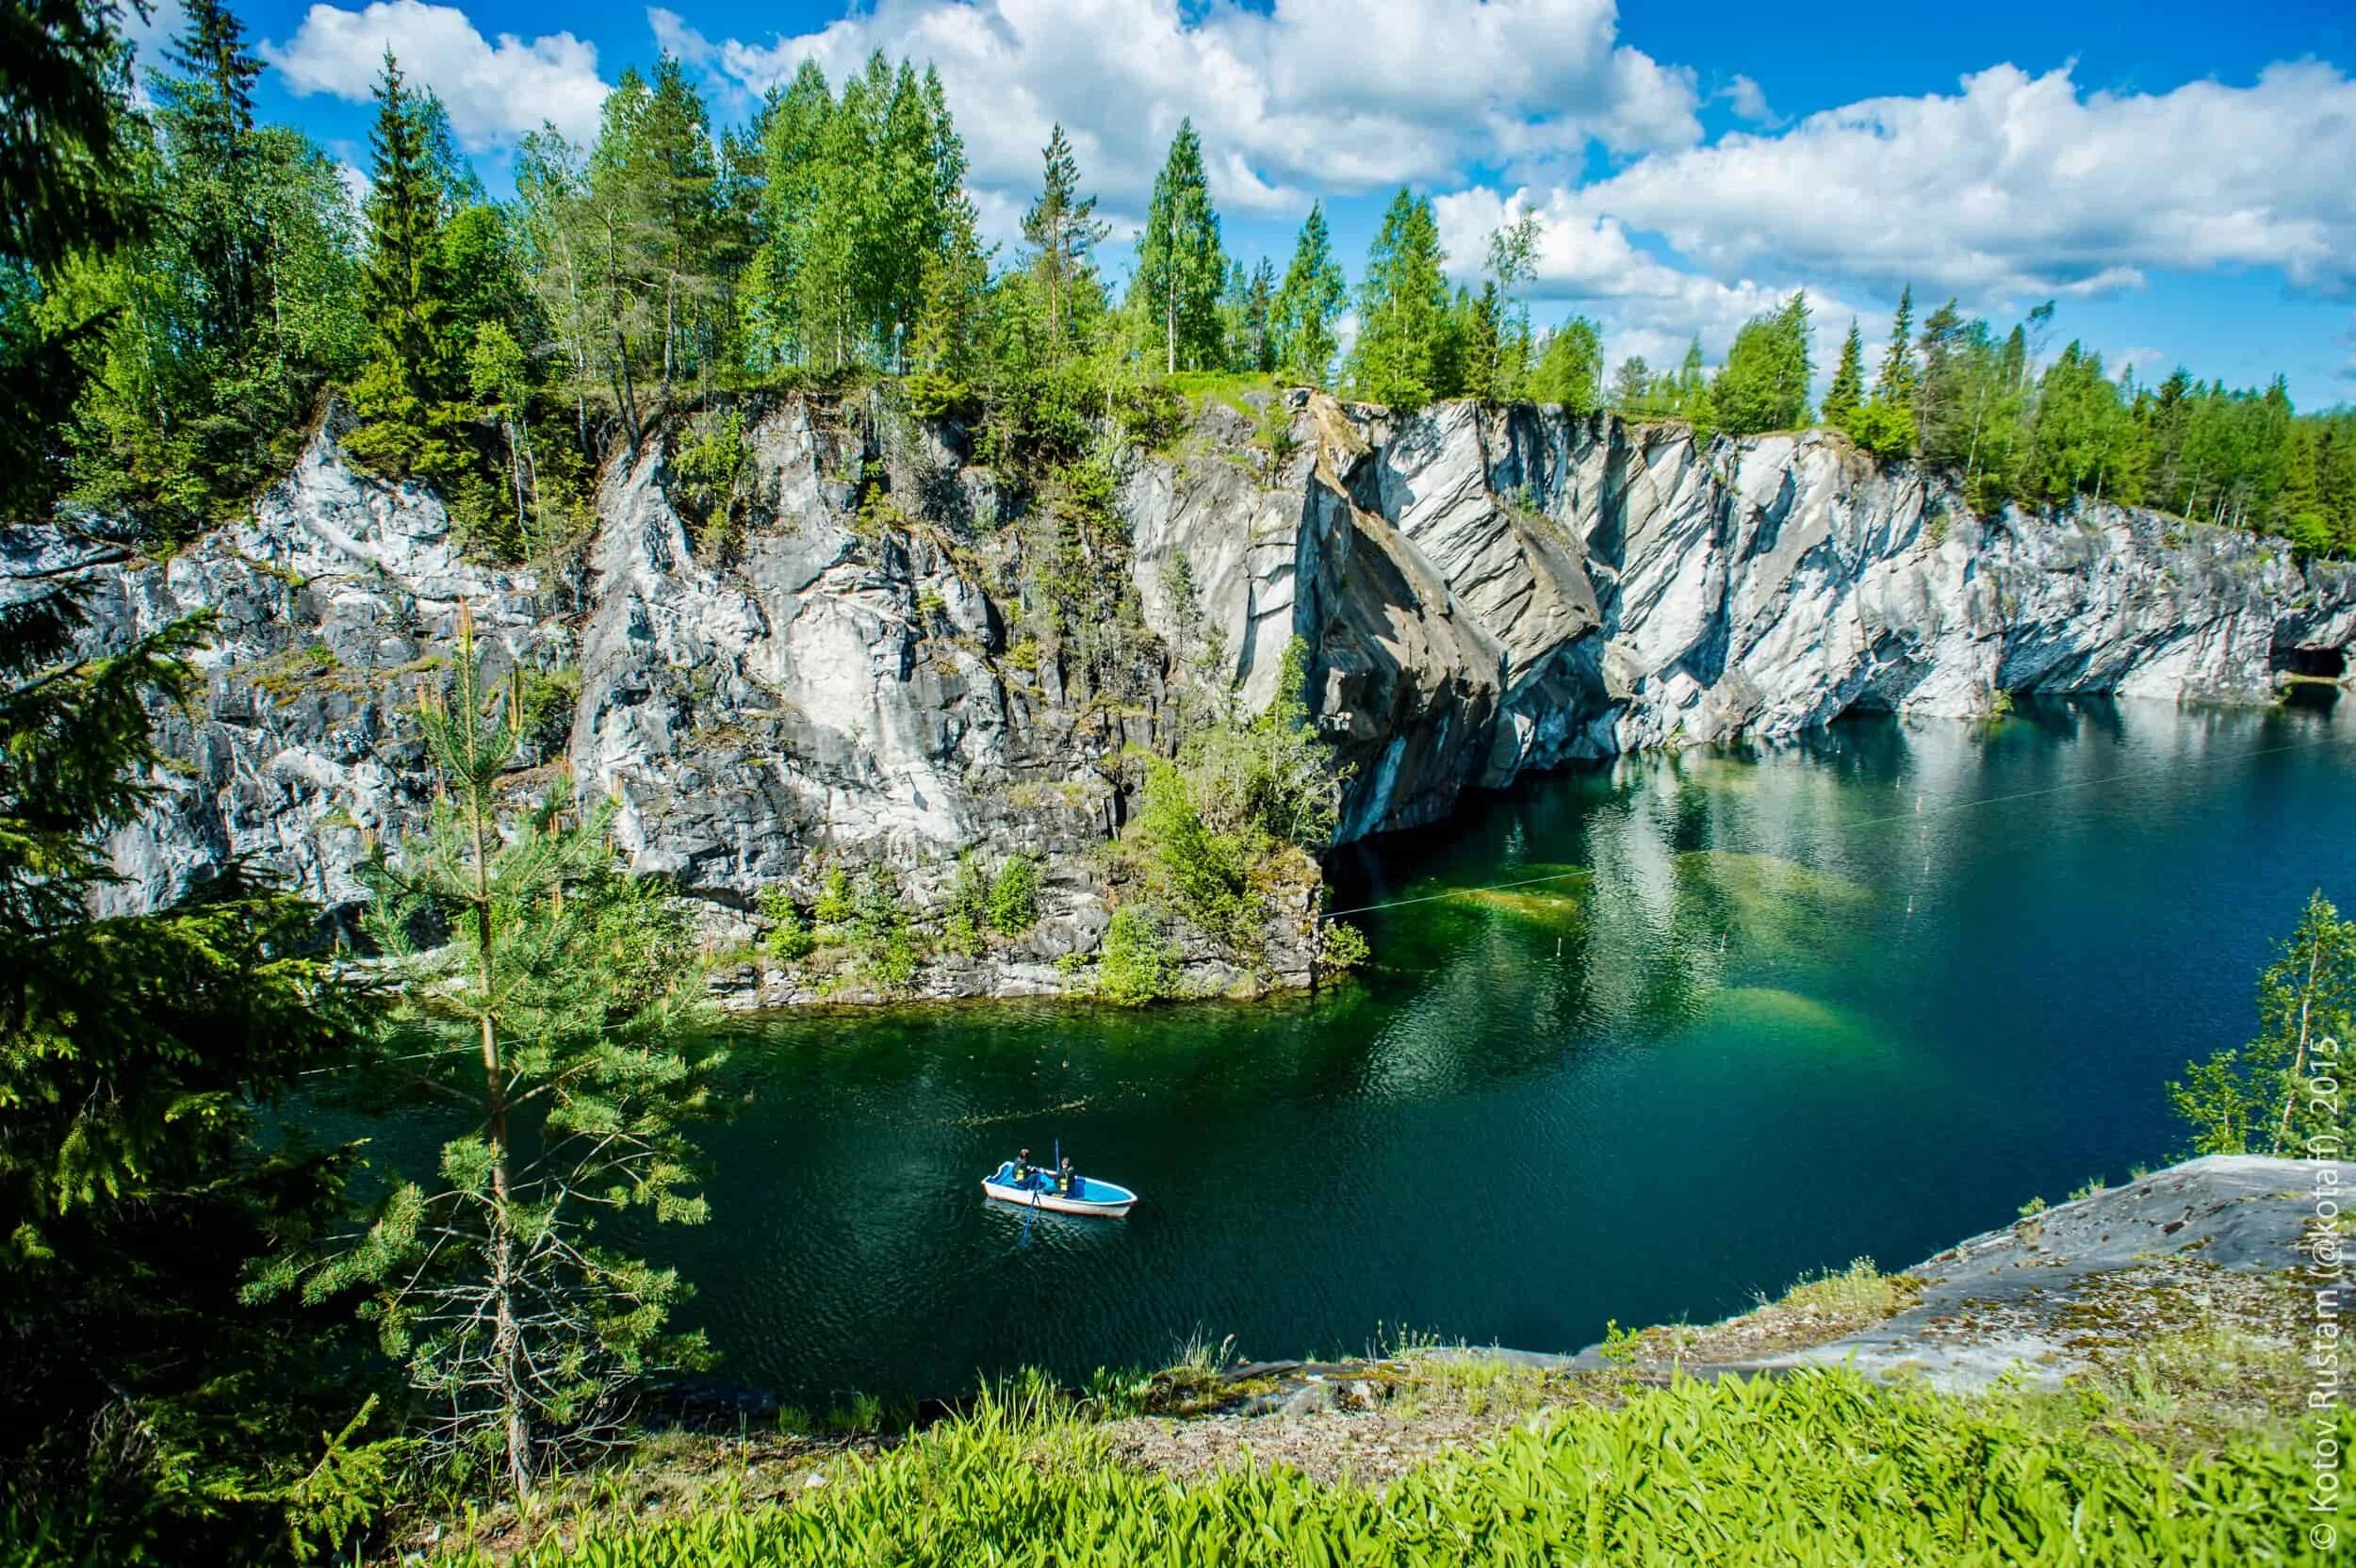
column 1480, row 592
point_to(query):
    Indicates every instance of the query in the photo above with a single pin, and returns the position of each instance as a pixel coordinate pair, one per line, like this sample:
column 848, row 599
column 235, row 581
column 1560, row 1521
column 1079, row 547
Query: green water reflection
column 1766, row 1011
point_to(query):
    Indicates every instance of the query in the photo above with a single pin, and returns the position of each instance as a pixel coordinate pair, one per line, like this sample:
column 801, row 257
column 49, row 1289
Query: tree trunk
column 2299, row 1056
column 507, row 1334
column 670, row 298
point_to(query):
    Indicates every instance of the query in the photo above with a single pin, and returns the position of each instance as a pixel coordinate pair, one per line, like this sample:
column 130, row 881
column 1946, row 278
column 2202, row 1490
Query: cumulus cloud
column 495, row 90
column 2021, row 186
column 1646, row 305
column 1310, row 95
column 1748, row 100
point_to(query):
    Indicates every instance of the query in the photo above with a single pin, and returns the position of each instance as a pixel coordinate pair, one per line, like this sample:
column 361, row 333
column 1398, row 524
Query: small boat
column 1038, row 1191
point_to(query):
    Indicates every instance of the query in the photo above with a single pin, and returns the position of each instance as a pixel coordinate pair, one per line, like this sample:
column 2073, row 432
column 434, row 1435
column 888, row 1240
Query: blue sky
column 2181, row 177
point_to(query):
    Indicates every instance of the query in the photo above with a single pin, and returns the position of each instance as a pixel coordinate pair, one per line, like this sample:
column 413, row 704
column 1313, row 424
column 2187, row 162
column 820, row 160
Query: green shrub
column 707, row 471
column 547, row 700
column 1137, row 964
column 968, row 913
column 1014, row 896
column 892, row 962
column 1341, row 946
column 789, row 941
column 836, row 904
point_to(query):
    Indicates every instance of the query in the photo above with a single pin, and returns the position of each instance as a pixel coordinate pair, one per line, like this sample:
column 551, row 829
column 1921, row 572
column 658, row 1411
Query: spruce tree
column 206, row 111
column 1308, row 304
column 1181, row 269
column 404, row 389
column 1847, row 391
column 1256, row 342
column 1886, row 424
column 147, row 1157
column 1403, row 309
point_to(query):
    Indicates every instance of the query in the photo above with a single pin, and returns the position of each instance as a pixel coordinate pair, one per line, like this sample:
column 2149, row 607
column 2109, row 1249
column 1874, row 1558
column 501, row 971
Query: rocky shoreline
column 853, row 684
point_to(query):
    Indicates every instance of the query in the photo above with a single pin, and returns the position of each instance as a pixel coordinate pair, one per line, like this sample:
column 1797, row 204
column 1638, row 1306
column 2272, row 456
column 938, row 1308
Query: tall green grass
column 1820, row 1469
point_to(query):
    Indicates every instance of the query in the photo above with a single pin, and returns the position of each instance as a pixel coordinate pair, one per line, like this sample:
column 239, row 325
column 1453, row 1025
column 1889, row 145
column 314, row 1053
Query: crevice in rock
column 2314, row 663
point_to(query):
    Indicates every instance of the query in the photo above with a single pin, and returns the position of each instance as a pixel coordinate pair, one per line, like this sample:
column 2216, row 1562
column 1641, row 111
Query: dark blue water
column 1776, row 1011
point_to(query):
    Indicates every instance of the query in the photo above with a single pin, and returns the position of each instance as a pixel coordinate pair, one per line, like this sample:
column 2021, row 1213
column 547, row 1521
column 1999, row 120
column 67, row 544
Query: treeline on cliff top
column 165, row 361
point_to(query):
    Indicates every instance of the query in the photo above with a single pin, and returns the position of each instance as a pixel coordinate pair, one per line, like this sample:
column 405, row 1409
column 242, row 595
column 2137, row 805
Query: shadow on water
column 1749, row 1011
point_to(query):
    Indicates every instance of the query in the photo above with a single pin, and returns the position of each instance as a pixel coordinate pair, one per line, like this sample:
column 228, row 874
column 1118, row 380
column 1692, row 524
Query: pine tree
column 1403, row 309
column 1943, row 401
column 563, row 1003
column 1181, row 269
column 1308, row 304
column 1847, row 390
column 674, row 177
column 1062, row 228
column 2260, row 1098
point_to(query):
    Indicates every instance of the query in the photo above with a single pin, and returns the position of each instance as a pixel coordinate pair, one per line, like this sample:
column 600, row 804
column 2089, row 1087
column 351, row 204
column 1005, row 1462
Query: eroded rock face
column 1479, row 593
column 1488, row 592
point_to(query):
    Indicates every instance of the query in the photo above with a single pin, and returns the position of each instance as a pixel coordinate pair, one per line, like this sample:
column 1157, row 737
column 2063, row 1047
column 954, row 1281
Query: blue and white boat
column 1037, row 1190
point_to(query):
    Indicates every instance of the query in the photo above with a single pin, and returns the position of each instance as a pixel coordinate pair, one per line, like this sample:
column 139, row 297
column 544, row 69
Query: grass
column 1223, row 386
column 1818, row 1308
column 1826, row 1469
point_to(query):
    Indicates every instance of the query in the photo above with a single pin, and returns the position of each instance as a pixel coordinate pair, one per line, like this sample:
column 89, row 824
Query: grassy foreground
column 1824, row 1468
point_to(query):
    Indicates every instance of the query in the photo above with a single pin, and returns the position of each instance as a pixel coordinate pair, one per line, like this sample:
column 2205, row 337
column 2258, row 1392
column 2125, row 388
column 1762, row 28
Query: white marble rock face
column 1481, row 592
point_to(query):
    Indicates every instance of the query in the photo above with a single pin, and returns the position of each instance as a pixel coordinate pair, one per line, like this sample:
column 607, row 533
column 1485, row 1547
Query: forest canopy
column 174, row 315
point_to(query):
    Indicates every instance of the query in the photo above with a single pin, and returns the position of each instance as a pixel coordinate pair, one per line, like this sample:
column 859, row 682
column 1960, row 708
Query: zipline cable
column 1919, row 814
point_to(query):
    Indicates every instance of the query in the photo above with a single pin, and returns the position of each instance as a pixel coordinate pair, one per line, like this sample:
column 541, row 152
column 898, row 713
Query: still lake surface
column 1774, row 1009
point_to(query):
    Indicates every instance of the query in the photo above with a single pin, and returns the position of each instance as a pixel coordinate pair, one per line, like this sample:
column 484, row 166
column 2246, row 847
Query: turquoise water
column 1772, row 1010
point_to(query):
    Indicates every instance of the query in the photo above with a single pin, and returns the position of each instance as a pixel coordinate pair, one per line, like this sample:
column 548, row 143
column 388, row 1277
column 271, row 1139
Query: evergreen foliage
column 407, row 389
column 142, row 1167
column 162, row 370
column 558, row 1000
column 1405, row 351
column 1174, row 294
column 1846, row 394
column 1062, row 229
column 1308, row 304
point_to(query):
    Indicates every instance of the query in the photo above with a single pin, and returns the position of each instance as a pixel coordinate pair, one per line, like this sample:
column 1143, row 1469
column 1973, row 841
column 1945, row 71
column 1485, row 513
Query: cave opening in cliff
column 2314, row 663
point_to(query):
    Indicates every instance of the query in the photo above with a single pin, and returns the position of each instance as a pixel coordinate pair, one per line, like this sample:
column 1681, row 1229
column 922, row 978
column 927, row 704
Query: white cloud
column 150, row 35
column 1748, row 100
column 495, row 91
column 2023, row 185
column 1645, row 305
column 1313, row 95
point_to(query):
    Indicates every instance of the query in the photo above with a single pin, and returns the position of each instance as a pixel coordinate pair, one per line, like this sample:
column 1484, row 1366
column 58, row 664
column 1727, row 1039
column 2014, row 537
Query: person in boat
column 1067, row 1181
column 1023, row 1167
